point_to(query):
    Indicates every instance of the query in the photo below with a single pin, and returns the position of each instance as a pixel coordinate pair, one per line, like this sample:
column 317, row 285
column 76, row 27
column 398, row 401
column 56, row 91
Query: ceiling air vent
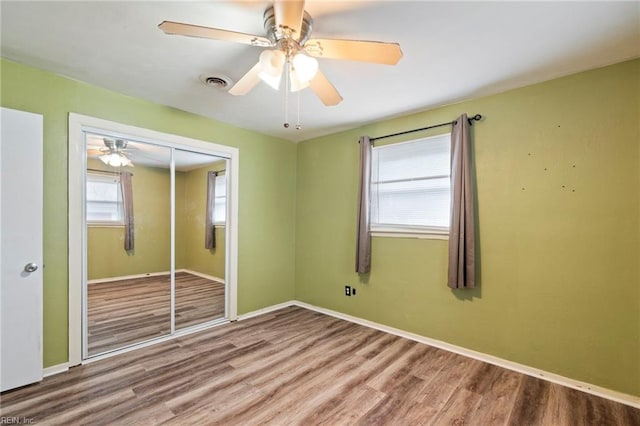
column 221, row 82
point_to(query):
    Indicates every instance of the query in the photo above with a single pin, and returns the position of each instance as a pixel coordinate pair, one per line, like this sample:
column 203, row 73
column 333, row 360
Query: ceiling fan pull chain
column 286, row 94
column 298, row 126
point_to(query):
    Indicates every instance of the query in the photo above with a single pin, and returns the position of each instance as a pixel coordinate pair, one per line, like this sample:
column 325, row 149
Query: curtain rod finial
column 476, row 117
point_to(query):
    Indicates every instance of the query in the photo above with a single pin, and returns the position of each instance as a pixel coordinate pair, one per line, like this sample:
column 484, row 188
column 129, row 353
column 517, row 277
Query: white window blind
column 220, row 208
column 104, row 200
column 410, row 190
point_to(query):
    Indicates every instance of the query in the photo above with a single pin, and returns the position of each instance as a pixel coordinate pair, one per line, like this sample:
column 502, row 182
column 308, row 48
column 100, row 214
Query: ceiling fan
column 291, row 51
column 113, row 153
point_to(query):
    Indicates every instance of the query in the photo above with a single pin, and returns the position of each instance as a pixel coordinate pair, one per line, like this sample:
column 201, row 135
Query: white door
column 21, row 249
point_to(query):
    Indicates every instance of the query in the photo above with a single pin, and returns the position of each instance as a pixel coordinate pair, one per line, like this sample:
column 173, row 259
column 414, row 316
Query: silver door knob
column 30, row 267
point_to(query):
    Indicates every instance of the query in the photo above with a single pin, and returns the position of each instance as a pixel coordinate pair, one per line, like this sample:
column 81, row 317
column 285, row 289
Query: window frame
column 404, row 230
column 220, row 224
column 106, row 223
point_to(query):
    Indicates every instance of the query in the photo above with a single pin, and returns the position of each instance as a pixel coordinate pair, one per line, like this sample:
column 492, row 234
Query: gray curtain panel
column 127, row 203
column 363, row 241
column 209, row 227
column 462, row 246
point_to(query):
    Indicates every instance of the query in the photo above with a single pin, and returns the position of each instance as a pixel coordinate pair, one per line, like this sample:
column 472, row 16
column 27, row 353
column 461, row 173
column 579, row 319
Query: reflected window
column 104, row 200
column 220, row 210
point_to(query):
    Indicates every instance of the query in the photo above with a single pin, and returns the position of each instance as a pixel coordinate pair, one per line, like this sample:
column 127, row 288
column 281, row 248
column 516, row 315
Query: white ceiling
column 151, row 155
column 452, row 51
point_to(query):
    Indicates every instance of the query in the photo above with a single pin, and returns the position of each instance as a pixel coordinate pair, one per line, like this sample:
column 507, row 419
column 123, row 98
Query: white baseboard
column 153, row 274
column 267, row 310
column 201, row 275
column 127, row 277
column 55, row 369
column 623, row 398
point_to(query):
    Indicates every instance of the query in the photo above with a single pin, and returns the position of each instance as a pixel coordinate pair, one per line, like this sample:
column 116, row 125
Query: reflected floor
column 124, row 312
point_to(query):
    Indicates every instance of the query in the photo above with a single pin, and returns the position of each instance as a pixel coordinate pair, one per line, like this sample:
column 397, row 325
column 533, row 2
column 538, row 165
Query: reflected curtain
column 462, row 267
column 210, row 228
column 127, row 204
column 363, row 241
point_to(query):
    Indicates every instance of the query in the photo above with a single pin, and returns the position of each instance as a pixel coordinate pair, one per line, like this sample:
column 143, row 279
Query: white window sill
column 410, row 232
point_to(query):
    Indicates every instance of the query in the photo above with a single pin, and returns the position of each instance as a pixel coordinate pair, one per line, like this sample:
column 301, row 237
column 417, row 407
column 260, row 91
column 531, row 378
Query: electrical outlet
column 347, row 290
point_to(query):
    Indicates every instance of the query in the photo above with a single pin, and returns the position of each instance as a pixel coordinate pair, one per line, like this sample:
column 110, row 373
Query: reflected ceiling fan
column 113, row 153
column 291, row 51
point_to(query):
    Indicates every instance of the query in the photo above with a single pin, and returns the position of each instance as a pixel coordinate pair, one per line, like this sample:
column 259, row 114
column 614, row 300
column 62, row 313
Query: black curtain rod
column 105, row 172
column 476, row 117
column 117, row 173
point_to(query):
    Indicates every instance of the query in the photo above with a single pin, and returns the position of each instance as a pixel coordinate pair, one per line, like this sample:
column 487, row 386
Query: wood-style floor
column 124, row 312
column 298, row 367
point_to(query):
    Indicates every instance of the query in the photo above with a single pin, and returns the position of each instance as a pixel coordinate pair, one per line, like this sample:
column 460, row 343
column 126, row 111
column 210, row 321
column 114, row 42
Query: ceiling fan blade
column 288, row 13
column 93, row 152
column 355, row 50
column 324, row 90
column 178, row 28
column 247, row 82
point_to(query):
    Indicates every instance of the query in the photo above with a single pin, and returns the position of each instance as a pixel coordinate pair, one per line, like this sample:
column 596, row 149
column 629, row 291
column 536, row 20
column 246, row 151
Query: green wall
column 267, row 179
column 558, row 192
column 106, row 256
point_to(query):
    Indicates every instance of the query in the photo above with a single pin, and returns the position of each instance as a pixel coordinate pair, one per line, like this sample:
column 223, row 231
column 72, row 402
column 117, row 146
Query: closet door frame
column 78, row 126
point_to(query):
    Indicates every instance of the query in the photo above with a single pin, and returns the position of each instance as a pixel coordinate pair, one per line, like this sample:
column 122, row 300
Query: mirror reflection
column 128, row 213
column 200, row 238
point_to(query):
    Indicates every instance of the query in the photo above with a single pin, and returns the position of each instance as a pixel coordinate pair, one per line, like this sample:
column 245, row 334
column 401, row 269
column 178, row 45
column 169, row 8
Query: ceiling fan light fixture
column 295, row 82
column 305, row 67
column 271, row 63
column 115, row 160
column 271, row 80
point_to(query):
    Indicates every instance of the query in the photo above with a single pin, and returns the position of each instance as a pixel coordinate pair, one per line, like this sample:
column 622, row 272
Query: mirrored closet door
column 200, row 206
column 155, row 241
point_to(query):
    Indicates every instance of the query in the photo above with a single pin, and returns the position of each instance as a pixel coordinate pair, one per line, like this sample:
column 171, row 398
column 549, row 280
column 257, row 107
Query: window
column 410, row 186
column 104, row 200
column 220, row 208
